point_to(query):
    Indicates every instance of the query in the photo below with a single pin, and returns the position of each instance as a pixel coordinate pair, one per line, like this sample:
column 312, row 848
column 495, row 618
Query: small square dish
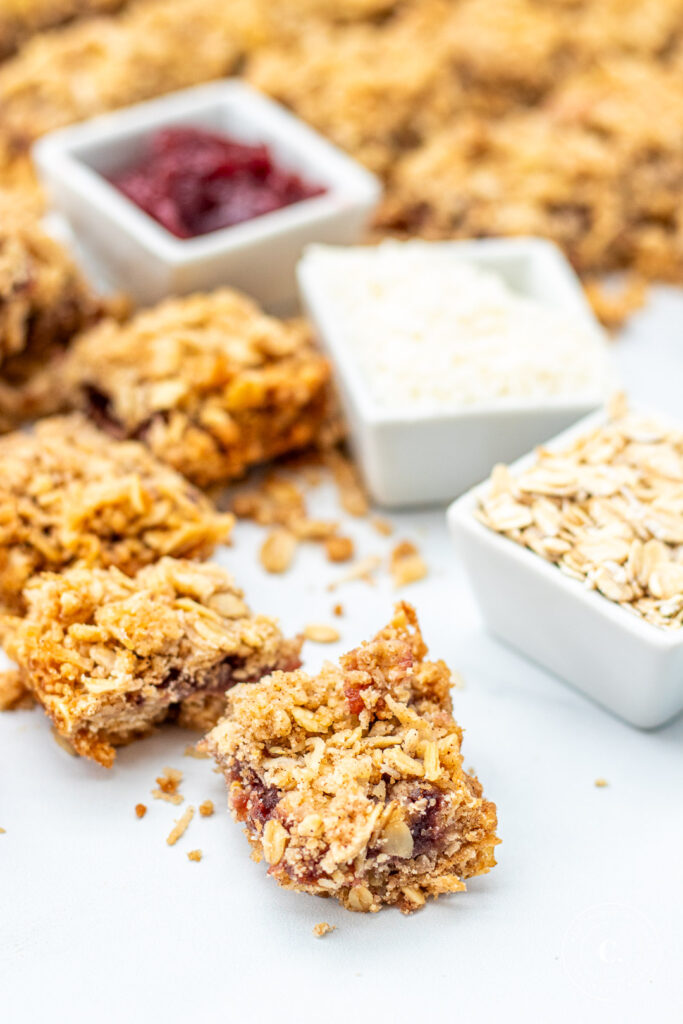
column 373, row 306
column 598, row 622
column 257, row 256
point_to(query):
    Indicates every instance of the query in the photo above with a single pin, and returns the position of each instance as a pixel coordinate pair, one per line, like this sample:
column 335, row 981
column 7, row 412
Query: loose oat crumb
column 168, row 786
column 351, row 493
column 206, row 808
column 601, row 783
column 407, row 565
column 322, row 929
column 180, row 827
column 3, row 831
column 458, row 680
column 194, row 855
column 277, row 550
column 140, row 810
column 362, row 570
column 319, row 633
column 191, row 751
column 339, row 549
column 382, row 526
column 62, row 742
column 13, row 694
column 338, row 610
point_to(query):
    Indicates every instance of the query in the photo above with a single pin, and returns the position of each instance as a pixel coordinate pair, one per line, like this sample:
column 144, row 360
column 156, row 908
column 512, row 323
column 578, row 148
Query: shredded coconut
column 429, row 331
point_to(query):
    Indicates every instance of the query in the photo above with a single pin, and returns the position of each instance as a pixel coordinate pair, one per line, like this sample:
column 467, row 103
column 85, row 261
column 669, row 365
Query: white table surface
column 582, row 919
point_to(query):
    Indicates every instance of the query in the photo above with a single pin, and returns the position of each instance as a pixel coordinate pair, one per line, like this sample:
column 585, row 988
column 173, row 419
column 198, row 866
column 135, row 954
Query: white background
column 581, row 920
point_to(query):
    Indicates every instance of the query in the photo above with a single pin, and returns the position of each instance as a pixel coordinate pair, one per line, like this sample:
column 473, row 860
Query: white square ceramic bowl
column 623, row 662
column 425, row 458
column 259, row 256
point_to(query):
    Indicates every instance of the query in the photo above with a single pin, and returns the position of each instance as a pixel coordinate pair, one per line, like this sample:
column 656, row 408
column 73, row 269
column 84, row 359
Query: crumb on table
column 206, row 808
column 140, row 810
column 180, row 827
column 195, row 855
column 601, row 783
column 323, row 928
column 191, row 751
column 319, row 633
column 406, row 564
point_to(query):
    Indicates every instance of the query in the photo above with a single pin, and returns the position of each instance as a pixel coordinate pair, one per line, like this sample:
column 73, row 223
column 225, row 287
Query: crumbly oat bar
column 110, row 656
column 19, row 19
column 351, row 784
column 607, row 510
column 44, row 301
column 210, row 383
column 68, row 493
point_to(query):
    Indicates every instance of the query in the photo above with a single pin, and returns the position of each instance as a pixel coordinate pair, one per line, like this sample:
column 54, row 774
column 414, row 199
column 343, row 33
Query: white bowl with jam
column 289, row 187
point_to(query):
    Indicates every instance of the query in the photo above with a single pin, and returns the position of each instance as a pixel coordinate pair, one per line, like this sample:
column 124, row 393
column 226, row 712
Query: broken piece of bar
column 210, row 383
column 69, row 493
column 110, row 656
column 350, row 783
column 44, row 301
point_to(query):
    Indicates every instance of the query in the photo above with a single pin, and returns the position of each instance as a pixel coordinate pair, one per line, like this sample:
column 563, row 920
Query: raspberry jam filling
column 193, row 181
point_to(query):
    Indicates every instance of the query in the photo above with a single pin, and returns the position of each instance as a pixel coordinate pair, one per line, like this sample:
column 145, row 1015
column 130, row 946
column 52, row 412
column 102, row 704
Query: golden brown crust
column 210, row 383
column 68, row 494
column 110, row 656
column 351, row 783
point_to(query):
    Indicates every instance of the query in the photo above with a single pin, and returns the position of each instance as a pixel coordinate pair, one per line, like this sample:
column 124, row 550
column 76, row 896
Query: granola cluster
column 458, row 104
column 607, row 510
column 110, row 656
column 68, row 494
column 210, row 383
column 44, row 301
column 351, row 784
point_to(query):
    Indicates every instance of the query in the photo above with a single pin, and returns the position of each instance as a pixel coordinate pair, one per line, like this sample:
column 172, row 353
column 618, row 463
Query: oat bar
column 350, row 783
column 210, row 383
column 69, row 493
column 110, row 656
column 44, row 301
column 19, row 19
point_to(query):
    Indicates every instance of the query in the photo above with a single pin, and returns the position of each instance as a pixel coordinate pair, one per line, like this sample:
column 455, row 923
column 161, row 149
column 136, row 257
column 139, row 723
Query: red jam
column 193, row 181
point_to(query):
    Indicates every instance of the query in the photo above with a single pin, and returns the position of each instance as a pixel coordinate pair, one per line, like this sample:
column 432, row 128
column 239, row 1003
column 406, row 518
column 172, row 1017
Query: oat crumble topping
column 68, row 493
column 110, row 656
column 210, row 383
column 350, row 783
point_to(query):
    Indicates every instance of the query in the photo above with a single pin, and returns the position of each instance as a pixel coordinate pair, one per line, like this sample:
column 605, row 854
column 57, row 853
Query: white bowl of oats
column 452, row 356
column 575, row 555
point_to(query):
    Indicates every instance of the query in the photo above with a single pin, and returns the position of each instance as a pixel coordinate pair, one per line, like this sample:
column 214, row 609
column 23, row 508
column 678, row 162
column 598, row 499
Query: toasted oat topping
column 607, row 510
column 68, row 494
column 339, row 549
column 140, row 810
column 20, row 19
column 209, row 382
column 601, row 783
column 350, row 783
column 109, row 656
column 181, row 826
column 206, row 808
column 195, row 855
